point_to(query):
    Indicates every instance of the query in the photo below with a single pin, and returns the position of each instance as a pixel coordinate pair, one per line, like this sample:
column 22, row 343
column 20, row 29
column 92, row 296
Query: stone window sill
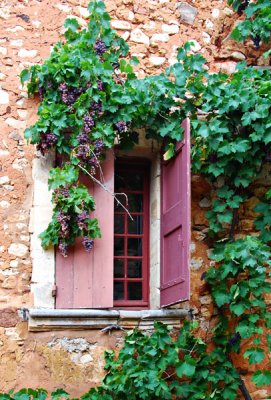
column 49, row 319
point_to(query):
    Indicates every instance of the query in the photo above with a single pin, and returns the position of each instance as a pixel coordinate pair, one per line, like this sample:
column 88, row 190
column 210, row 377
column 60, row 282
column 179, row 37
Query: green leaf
column 25, row 76
column 170, row 152
column 72, row 24
column 261, row 378
column 255, row 355
column 186, row 368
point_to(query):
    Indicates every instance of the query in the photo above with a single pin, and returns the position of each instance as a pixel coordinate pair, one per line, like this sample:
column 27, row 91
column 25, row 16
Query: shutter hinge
column 54, row 290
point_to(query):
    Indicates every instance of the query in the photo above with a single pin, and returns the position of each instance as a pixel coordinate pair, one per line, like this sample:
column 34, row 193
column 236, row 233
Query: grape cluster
column 100, row 47
column 88, row 123
column 98, row 147
column 64, row 220
column 69, row 94
column 41, row 92
column 88, row 243
column 63, row 248
column 242, row 7
column 64, row 192
column 96, row 107
column 256, row 40
column 47, row 141
column 100, row 86
column 234, row 339
column 121, row 126
column 81, row 219
column 82, row 138
column 83, row 152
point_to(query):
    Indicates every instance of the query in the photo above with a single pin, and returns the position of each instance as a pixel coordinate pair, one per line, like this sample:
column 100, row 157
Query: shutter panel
column 85, row 280
column 175, row 223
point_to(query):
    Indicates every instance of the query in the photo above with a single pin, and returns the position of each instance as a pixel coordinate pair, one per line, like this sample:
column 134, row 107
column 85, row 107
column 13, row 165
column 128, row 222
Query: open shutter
column 175, row 223
column 85, row 280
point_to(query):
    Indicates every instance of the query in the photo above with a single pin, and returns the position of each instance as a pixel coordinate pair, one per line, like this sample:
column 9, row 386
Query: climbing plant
column 257, row 22
column 91, row 99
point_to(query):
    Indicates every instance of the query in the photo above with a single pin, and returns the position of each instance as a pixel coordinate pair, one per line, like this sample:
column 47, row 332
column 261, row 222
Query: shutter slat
column 175, row 223
column 85, row 280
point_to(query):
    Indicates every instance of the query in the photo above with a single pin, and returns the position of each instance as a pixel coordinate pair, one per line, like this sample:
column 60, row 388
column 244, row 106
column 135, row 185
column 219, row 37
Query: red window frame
column 132, row 166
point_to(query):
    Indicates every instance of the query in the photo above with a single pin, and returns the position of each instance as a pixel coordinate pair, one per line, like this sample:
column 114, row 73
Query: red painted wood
column 175, row 223
column 85, row 280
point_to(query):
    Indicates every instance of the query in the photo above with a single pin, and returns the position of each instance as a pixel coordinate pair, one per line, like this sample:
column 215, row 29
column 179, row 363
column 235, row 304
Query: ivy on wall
column 257, row 22
column 91, row 97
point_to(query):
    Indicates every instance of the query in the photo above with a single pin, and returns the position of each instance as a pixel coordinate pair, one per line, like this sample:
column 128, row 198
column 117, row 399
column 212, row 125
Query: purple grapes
column 100, row 47
column 100, row 86
column 82, row 152
column 121, row 126
column 256, row 40
column 63, row 220
column 47, row 141
column 88, row 123
column 88, row 243
column 81, row 219
column 96, row 107
column 69, row 94
column 63, row 248
column 82, row 138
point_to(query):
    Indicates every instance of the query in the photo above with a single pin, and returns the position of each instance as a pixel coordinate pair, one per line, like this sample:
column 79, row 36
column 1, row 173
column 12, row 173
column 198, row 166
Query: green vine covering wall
column 90, row 97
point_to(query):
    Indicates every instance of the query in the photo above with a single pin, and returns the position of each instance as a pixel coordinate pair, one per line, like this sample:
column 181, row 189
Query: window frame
column 135, row 164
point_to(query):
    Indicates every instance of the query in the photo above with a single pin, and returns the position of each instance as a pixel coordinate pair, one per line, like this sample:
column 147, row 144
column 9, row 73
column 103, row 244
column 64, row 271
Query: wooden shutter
column 175, row 223
column 85, row 280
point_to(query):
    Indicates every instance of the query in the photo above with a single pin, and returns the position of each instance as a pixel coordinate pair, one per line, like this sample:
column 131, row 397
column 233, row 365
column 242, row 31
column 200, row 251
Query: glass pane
column 134, row 269
column 134, row 290
column 118, row 290
column 118, row 223
column 134, row 247
column 135, row 181
column 135, row 226
column 135, row 202
column 119, row 182
column 119, row 246
column 118, row 268
column 123, row 200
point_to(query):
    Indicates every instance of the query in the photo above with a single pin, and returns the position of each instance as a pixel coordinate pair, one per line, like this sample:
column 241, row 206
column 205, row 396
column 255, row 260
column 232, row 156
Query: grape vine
column 90, row 96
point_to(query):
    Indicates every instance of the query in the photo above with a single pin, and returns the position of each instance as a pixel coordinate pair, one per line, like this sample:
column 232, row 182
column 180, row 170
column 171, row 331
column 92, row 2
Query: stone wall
column 154, row 30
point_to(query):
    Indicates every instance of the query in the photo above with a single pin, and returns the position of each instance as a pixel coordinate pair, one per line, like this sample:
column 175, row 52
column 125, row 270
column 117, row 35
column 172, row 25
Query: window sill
column 49, row 319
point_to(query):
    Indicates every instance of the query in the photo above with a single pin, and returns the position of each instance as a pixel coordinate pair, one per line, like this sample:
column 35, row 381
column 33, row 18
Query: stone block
column 138, row 36
column 42, row 294
column 18, row 250
column 43, row 266
column 157, row 61
column 159, row 37
column 121, row 25
column 171, row 29
column 4, row 97
column 4, row 180
column 9, row 317
column 188, row 13
column 23, row 53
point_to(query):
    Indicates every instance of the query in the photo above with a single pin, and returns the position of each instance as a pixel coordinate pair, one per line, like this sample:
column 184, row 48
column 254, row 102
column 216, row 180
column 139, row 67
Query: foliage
column 257, row 22
column 159, row 365
column 90, row 97
column 239, row 287
column 237, row 124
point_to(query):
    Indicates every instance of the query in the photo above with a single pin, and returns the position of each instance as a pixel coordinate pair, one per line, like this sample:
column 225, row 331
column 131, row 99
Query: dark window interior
column 131, row 236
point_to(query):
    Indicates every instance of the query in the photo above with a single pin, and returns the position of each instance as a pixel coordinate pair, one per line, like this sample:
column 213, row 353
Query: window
column 131, row 237
column 87, row 280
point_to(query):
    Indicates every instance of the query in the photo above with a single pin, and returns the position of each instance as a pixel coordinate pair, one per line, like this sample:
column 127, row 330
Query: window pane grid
column 131, row 286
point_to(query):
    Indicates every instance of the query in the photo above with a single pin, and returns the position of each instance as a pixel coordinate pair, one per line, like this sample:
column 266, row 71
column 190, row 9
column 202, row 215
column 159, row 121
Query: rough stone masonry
column 154, row 30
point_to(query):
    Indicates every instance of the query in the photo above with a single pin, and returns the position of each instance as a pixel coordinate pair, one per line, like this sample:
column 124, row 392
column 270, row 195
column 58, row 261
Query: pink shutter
column 85, row 280
column 175, row 223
